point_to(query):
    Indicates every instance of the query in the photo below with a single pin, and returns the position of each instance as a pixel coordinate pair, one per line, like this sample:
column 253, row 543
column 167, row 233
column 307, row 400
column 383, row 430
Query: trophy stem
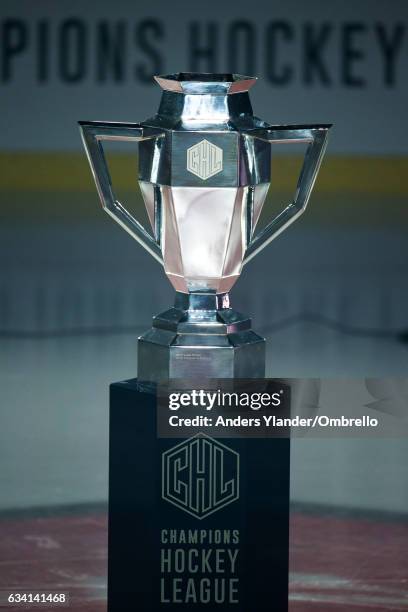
column 201, row 301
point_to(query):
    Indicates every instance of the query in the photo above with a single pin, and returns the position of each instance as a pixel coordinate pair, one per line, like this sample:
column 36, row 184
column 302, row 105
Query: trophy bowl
column 204, row 173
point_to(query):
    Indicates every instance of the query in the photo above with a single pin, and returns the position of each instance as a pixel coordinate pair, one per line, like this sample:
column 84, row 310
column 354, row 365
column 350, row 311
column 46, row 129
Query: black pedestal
column 229, row 551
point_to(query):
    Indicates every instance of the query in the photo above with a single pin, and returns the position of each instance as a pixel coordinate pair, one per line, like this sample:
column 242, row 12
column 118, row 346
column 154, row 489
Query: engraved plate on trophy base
column 240, row 355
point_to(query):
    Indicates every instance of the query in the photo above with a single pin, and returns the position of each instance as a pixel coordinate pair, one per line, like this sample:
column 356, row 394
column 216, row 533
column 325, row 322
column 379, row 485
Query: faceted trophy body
column 204, row 172
column 204, row 188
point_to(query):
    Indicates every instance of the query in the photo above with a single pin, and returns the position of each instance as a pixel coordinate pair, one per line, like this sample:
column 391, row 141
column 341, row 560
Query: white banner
column 338, row 62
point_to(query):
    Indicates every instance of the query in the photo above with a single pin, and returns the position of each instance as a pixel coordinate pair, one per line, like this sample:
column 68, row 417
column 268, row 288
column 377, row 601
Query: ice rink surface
column 74, row 298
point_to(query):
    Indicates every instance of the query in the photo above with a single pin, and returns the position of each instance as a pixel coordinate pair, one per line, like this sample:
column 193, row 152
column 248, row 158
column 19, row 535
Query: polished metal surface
column 201, row 336
column 205, row 233
column 201, row 83
column 204, row 173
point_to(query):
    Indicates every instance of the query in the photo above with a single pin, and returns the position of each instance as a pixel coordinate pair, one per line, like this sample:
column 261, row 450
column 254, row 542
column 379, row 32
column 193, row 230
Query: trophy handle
column 316, row 136
column 93, row 132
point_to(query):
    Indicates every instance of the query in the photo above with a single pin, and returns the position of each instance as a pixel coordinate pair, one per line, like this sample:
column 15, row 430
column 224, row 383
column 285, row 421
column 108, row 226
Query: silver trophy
column 204, row 172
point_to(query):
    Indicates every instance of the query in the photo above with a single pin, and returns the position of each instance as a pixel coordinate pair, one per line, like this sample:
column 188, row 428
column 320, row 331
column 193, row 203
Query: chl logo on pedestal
column 200, row 475
column 204, row 159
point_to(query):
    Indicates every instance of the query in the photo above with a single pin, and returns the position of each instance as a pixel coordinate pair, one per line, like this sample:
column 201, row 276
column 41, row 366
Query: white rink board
column 317, row 62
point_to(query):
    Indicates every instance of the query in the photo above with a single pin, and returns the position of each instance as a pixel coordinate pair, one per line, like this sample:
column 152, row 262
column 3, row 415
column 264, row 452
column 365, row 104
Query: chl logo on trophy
column 200, row 475
column 204, row 159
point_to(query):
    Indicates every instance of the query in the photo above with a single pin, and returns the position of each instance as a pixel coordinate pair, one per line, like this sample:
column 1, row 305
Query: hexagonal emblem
column 204, row 159
column 200, row 475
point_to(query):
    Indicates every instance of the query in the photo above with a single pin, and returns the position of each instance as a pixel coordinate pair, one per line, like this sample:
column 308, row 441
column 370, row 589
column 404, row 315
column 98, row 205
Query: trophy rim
column 205, row 82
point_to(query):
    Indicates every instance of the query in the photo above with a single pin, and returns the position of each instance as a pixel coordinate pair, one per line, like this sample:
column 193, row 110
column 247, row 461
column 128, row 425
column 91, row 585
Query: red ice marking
column 336, row 564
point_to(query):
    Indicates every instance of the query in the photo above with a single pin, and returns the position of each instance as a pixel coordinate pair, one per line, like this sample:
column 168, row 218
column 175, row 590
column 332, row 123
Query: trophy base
column 141, row 518
column 201, row 336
